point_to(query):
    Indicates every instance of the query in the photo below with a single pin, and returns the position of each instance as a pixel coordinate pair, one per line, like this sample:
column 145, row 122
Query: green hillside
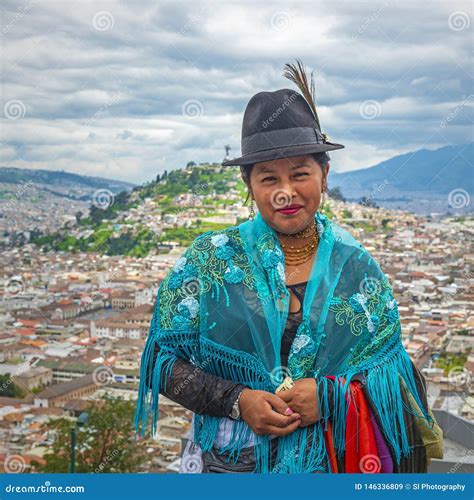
column 98, row 231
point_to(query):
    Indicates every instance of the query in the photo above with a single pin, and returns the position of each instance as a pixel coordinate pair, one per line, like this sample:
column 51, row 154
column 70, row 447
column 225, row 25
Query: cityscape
column 75, row 310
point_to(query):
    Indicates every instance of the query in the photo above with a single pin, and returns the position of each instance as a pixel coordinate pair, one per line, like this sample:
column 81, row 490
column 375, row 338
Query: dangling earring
column 324, row 200
column 252, row 211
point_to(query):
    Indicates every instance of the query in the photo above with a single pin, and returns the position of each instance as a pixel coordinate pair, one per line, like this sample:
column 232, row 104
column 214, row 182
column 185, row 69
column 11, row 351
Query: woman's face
column 276, row 184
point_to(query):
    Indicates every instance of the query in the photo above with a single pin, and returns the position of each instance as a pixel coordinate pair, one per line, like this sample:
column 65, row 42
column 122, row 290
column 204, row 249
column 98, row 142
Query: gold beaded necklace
column 295, row 255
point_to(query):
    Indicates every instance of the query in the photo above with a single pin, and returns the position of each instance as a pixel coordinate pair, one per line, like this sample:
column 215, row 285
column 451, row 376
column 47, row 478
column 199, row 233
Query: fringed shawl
column 223, row 307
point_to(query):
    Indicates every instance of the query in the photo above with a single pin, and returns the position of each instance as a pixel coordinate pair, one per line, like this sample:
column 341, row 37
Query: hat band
column 296, row 136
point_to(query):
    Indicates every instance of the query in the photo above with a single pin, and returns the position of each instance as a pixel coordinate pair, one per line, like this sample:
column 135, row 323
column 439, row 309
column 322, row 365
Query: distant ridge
column 422, row 181
column 11, row 175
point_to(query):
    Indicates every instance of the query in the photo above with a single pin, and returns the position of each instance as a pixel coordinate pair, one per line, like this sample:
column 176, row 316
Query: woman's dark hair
column 322, row 159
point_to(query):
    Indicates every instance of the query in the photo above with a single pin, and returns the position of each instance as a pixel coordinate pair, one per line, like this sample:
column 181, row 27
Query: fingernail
column 289, row 411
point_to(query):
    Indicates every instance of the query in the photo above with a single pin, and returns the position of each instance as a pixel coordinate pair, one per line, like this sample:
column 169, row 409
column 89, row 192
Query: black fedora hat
column 282, row 123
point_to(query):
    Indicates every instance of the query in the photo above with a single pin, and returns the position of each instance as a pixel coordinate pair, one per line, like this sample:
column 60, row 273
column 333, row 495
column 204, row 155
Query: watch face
column 235, row 412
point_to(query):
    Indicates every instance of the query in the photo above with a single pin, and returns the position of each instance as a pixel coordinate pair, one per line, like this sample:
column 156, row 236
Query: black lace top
column 205, row 393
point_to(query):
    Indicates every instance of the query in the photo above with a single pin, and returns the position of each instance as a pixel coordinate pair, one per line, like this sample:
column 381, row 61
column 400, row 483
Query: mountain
column 421, row 181
column 62, row 183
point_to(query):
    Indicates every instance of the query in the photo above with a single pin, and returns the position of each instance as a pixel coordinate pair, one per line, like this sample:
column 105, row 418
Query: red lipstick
column 290, row 209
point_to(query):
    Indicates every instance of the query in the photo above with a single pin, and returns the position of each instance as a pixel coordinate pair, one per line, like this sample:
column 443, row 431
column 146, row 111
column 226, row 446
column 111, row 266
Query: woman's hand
column 257, row 409
column 302, row 399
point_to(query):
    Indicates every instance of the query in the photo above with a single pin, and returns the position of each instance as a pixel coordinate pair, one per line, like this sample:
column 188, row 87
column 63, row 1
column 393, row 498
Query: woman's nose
column 288, row 188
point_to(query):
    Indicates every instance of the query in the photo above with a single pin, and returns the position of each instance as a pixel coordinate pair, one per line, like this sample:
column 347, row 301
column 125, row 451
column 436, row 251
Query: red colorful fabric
column 361, row 453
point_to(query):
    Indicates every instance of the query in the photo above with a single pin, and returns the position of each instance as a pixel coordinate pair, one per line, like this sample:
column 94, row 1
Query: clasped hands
column 281, row 413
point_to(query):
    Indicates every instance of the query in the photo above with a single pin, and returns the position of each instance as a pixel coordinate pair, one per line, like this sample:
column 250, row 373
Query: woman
column 282, row 334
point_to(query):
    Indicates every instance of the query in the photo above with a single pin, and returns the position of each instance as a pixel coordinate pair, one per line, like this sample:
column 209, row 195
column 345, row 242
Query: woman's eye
column 273, row 178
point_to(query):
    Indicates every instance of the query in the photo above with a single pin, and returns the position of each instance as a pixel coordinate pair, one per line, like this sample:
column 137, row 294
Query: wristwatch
column 235, row 412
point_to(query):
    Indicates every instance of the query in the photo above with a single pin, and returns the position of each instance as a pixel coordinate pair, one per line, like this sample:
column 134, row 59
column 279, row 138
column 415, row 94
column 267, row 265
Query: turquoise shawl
column 223, row 307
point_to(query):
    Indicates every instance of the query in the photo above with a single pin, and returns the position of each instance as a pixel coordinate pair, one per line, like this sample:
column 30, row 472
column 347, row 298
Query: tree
column 194, row 178
column 368, row 202
column 336, row 194
column 79, row 214
column 106, row 442
column 8, row 388
column 346, row 214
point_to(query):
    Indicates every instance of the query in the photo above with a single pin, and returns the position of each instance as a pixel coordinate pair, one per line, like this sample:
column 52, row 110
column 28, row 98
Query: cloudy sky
column 127, row 89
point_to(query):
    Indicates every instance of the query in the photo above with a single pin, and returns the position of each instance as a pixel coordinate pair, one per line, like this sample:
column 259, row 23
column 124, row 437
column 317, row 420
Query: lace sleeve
column 198, row 391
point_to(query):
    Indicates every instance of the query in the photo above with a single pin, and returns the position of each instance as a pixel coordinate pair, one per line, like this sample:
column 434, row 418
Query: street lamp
column 80, row 422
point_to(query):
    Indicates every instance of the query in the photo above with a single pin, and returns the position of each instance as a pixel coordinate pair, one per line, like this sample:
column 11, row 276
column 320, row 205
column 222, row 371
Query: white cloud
column 110, row 101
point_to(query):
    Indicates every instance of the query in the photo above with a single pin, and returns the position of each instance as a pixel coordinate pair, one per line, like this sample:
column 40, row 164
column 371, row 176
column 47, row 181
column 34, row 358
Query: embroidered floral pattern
column 210, row 261
column 233, row 274
column 188, row 307
column 271, row 258
column 183, row 272
column 303, row 351
column 366, row 313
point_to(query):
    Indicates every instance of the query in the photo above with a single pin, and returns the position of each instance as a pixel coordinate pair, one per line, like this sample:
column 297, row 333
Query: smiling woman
column 279, row 185
column 282, row 334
